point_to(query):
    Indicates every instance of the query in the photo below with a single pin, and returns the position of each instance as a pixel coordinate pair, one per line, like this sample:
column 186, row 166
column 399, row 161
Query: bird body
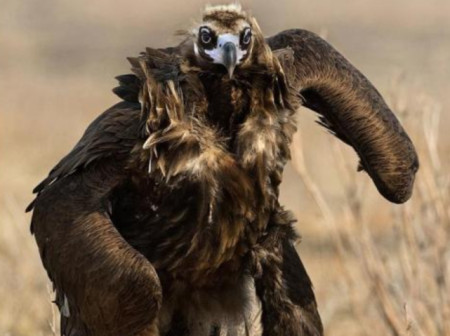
column 164, row 219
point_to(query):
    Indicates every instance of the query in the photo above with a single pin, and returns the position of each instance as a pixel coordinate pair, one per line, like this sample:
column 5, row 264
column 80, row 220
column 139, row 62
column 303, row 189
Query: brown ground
column 57, row 63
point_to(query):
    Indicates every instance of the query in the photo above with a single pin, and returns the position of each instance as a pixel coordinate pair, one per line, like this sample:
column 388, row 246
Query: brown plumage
column 164, row 219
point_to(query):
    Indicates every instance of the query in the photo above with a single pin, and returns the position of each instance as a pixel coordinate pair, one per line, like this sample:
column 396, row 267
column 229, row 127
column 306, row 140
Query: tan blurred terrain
column 378, row 269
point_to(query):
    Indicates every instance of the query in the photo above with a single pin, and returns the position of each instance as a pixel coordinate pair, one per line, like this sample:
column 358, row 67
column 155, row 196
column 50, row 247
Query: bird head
column 225, row 37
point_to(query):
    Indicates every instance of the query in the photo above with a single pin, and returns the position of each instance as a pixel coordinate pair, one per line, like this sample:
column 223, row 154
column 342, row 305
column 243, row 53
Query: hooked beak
column 229, row 57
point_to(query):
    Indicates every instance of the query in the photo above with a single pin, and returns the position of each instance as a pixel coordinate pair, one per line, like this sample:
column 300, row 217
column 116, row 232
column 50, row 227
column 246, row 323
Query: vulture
column 164, row 219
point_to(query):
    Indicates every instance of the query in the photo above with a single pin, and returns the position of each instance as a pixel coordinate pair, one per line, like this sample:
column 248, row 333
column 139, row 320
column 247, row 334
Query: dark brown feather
column 164, row 219
column 105, row 286
column 352, row 109
column 113, row 134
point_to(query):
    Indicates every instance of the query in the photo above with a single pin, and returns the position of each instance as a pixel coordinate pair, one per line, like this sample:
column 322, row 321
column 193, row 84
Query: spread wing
column 112, row 134
column 103, row 286
column 352, row 109
column 115, row 132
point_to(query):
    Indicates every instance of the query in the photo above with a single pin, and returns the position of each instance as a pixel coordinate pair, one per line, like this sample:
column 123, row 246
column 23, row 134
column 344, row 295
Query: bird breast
column 215, row 166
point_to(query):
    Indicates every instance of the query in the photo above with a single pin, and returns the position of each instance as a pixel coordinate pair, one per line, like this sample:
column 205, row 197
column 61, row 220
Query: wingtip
column 398, row 198
column 400, row 189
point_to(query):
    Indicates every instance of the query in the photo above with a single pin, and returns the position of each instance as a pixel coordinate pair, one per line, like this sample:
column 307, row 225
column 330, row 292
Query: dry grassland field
column 378, row 268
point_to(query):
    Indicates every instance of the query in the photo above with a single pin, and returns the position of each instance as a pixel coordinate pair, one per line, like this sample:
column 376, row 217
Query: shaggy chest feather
column 216, row 155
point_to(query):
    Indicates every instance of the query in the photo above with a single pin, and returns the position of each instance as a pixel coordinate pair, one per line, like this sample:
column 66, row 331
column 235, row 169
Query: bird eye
column 247, row 36
column 205, row 35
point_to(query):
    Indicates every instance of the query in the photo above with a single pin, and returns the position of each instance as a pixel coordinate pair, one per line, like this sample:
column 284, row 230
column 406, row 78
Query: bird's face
column 224, row 37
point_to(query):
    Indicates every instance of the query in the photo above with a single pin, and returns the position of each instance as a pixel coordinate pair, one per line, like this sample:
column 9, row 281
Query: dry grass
column 378, row 268
column 397, row 281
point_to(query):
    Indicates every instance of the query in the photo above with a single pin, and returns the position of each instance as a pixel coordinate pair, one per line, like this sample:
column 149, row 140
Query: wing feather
column 350, row 108
column 113, row 134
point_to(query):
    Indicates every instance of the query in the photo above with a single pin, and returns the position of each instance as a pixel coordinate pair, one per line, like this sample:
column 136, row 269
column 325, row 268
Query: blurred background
column 378, row 268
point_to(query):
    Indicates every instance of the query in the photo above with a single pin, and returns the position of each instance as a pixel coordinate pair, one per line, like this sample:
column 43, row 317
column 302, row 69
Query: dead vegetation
column 397, row 282
column 378, row 268
column 393, row 268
